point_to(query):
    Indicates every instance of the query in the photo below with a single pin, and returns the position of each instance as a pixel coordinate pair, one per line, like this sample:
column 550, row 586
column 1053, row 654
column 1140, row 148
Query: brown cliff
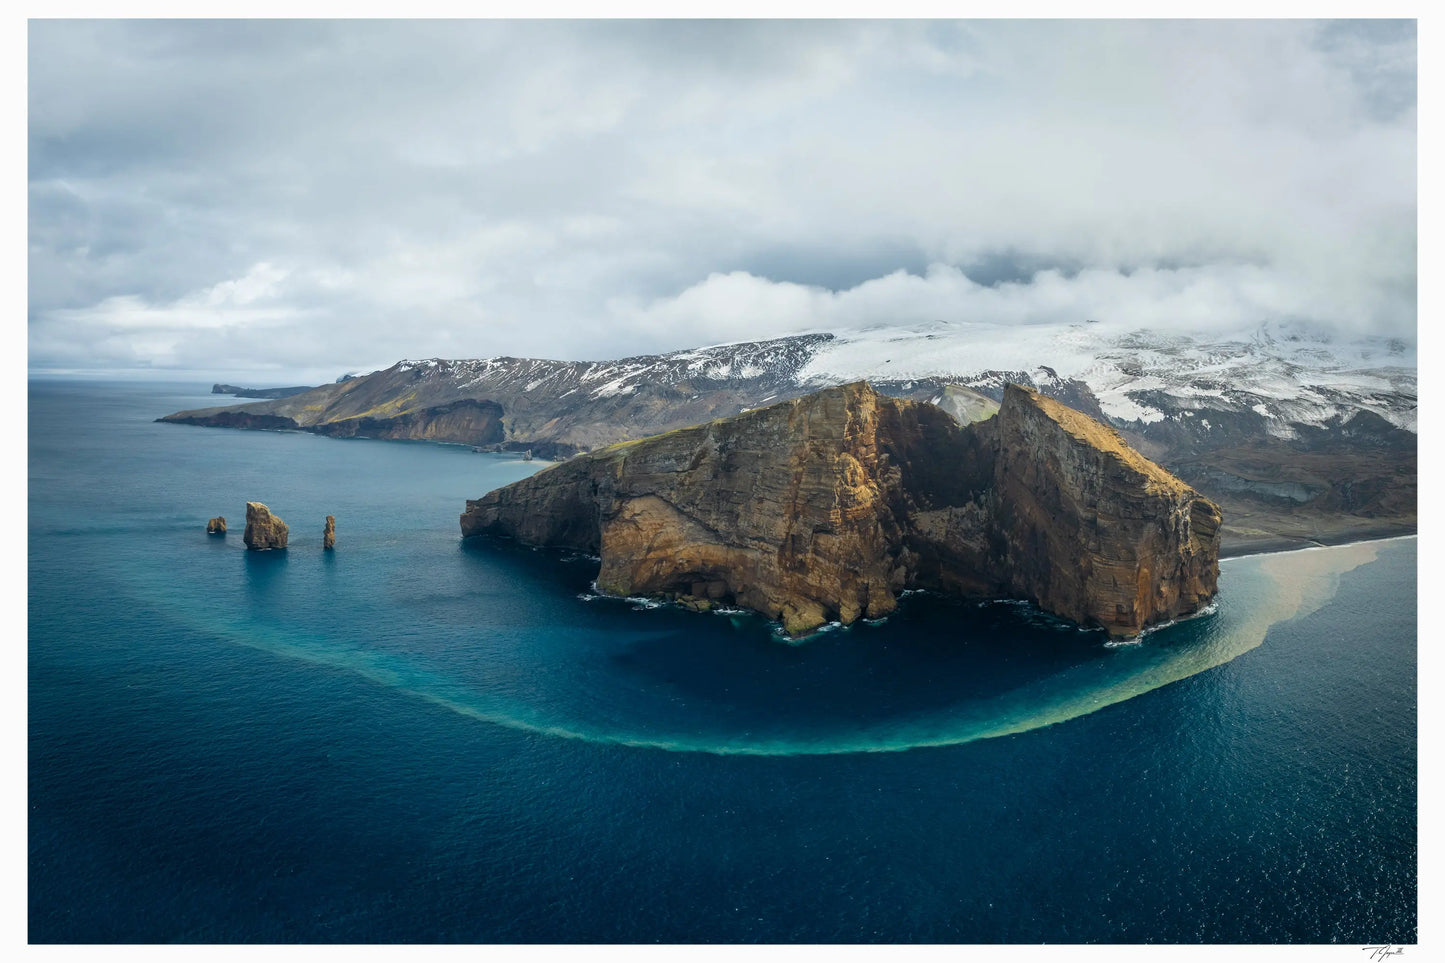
column 328, row 534
column 826, row 507
column 1094, row 528
column 263, row 530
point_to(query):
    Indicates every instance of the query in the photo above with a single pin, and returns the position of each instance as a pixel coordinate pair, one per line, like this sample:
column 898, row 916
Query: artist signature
column 1383, row 952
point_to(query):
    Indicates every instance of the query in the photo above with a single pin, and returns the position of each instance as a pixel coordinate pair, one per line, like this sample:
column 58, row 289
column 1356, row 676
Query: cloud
column 586, row 189
column 1214, row 299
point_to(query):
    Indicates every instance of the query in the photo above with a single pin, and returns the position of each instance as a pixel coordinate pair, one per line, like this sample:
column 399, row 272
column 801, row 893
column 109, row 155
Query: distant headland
column 219, row 389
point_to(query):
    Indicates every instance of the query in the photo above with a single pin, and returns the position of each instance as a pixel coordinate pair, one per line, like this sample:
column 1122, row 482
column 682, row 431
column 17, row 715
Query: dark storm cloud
column 317, row 194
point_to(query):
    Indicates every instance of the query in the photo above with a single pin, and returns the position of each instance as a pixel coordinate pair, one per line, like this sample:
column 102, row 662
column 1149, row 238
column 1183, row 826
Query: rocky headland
column 467, row 421
column 826, row 507
column 239, row 392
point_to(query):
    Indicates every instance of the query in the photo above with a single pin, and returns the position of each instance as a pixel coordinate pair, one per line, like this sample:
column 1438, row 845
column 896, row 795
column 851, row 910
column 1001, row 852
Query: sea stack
column 216, row 526
column 263, row 530
column 328, row 537
column 826, row 507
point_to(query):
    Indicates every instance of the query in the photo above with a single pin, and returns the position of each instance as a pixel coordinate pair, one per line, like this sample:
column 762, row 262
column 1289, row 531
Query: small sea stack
column 328, row 537
column 216, row 526
column 263, row 530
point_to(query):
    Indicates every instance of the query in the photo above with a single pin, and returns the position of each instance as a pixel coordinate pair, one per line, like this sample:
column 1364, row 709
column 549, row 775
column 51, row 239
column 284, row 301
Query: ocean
column 419, row 739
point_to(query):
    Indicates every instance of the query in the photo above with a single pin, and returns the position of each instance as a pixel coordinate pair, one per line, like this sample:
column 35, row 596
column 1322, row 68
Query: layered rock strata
column 263, row 530
column 824, row 508
column 1092, row 529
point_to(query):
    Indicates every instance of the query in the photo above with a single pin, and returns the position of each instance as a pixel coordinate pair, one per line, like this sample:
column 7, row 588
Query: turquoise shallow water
column 421, row 739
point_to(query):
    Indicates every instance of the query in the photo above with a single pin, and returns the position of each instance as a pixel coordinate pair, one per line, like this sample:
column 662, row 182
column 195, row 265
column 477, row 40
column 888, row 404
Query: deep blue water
column 419, row 739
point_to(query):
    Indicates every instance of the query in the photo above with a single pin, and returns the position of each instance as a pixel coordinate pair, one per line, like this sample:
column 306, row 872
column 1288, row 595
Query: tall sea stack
column 263, row 530
column 826, row 507
column 328, row 536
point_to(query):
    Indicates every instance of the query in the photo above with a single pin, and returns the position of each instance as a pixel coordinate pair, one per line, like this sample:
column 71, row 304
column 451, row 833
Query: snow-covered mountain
column 775, row 362
column 1289, row 374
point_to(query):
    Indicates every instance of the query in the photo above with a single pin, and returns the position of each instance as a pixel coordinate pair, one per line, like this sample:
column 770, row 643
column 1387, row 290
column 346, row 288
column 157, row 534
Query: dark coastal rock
column 328, row 537
column 260, row 392
column 263, row 530
column 545, row 450
column 234, row 419
column 216, row 526
column 826, row 507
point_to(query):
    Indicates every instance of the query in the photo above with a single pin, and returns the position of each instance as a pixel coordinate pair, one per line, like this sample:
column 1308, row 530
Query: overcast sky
column 281, row 199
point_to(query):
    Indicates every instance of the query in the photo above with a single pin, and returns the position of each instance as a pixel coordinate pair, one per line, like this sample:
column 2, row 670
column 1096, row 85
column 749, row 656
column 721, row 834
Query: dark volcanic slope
column 825, row 507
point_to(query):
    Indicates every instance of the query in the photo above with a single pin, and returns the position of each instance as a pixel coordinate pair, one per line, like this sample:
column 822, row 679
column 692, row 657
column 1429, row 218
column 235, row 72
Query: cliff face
column 1091, row 526
column 826, row 507
column 783, row 510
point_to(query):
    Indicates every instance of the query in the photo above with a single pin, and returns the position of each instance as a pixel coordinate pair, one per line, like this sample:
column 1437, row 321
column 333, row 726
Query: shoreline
column 1266, row 545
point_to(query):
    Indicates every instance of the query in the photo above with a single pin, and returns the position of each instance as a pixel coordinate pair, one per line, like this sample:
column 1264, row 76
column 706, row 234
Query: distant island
column 824, row 508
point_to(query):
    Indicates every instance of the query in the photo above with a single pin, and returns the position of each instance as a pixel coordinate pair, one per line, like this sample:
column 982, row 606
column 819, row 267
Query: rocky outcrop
column 216, row 526
column 260, row 392
column 328, row 535
column 263, row 530
column 229, row 418
column 826, row 507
